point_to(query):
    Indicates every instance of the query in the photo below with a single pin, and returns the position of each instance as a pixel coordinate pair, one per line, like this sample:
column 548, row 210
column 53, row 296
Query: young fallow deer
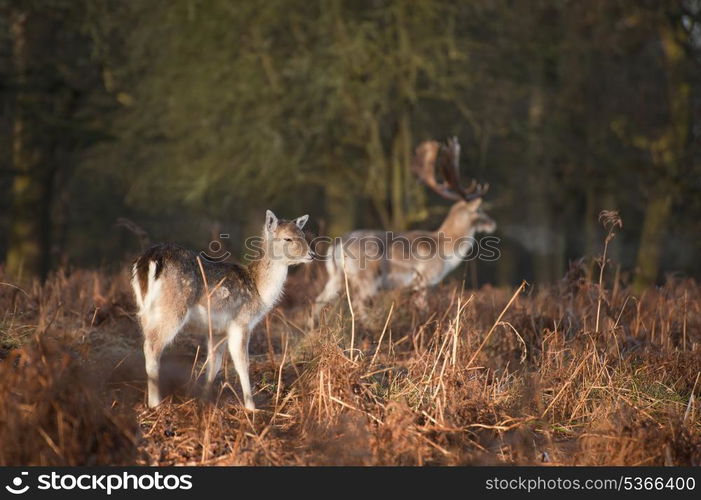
column 377, row 260
column 171, row 295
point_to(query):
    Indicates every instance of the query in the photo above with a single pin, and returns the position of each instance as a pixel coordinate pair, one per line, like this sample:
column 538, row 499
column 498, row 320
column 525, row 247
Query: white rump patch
column 151, row 312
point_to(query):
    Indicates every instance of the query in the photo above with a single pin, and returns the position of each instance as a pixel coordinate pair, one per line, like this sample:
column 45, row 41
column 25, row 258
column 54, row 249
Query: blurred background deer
column 380, row 260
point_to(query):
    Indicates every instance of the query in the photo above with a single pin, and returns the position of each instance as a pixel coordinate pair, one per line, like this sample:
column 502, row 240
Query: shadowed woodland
column 190, row 118
column 126, row 123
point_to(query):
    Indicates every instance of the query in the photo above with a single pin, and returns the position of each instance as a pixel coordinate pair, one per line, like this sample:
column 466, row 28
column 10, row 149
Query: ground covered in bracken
column 570, row 374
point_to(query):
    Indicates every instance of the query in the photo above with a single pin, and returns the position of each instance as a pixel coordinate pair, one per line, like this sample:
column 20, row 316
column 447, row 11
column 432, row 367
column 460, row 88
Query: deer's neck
column 269, row 276
column 457, row 232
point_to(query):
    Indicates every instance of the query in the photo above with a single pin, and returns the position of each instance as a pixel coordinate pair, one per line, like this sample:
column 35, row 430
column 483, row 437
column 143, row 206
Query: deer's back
column 176, row 273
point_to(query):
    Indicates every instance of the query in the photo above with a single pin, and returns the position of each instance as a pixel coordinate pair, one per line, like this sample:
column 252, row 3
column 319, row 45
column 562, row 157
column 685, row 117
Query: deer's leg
column 152, row 356
column 155, row 340
column 330, row 292
column 238, row 348
column 421, row 292
column 215, row 353
column 362, row 291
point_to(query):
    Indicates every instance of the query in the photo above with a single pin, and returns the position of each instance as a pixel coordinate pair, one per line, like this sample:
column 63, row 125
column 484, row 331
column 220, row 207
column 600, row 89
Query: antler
column 424, row 167
column 450, row 166
column 424, row 163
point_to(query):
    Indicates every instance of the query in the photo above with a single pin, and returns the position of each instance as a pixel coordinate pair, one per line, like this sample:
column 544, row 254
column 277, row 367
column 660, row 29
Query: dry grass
column 456, row 382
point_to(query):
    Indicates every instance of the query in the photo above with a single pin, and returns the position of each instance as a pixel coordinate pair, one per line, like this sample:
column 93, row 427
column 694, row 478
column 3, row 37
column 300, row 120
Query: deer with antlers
column 380, row 260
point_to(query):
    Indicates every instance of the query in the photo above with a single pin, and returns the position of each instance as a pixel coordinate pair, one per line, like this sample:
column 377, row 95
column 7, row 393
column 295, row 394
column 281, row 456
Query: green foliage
column 226, row 102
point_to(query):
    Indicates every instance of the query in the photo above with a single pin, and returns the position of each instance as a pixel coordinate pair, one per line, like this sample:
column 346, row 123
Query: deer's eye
column 288, row 239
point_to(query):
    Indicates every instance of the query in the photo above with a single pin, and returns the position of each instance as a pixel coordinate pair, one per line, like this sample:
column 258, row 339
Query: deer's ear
column 270, row 221
column 301, row 221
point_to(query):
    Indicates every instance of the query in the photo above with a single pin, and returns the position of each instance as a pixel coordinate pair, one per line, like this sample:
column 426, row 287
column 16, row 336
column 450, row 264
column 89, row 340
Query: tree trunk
column 28, row 245
column 401, row 153
column 340, row 209
column 651, row 241
column 539, row 206
column 377, row 176
column 668, row 153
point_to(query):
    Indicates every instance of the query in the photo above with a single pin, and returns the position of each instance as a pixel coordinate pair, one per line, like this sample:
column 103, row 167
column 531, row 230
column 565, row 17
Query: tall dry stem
column 610, row 219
